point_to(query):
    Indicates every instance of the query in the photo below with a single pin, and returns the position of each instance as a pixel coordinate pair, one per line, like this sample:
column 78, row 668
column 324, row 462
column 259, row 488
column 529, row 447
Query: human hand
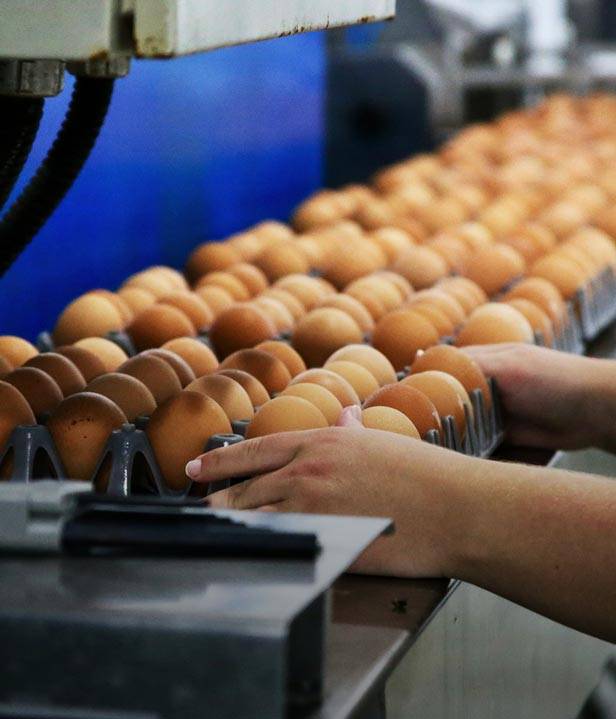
column 350, row 470
column 552, row 400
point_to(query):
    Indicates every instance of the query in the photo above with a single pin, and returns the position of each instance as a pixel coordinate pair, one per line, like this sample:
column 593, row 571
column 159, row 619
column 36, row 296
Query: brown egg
column 228, row 393
column 597, row 244
column 562, row 272
column 155, row 283
column 276, row 312
column 121, row 306
column 524, row 244
column 421, row 266
column 156, row 375
column 392, row 241
column 286, row 354
column 87, row 316
column 273, row 231
column 270, row 371
column 446, row 393
column 366, row 297
column 452, row 249
column 130, row 394
column 285, row 414
column 379, row 287
column 456, row 363
column 226, row 281
column 255, row 390
column 198, row 356
column 401, row 334
column 306, row 289
column 211, row 257
column 173, row 276
column 371, row 359
column 543, row 238
column 582, row 259
column 89, row 364
column 333, row 382
column 16, row 351
column 495, row 267
column 343, row 266
column 322, row 332
column 447, row 304
column 363, row 382
column 178, row 364
column 295, row 307
column 282, row 259
column 317, row 395
column 353, row 308
column 401, row 283
column 323, row 208
column 315, row 250
column 443, row 325
column 193, row 306
column 250, row 276
column 467, row 293
column 80, row 428
column 538, row 319
column 179, row 431
column 240, row 327
column 476, row 235
column 159, row 324
column 388, row 419
column 563, row 218
column 39, row 389
column 248, row 244
column 495, row 323
column 110, row 354
column 543, row 294
column 61, row 369
column 15, row 411
column 411, row 402
column 216, row 298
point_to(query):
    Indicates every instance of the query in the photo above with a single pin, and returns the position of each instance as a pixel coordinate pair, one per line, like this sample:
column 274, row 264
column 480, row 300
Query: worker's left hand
column 350, row 470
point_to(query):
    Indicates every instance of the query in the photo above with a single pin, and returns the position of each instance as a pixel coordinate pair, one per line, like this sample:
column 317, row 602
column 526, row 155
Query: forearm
column 545, row 539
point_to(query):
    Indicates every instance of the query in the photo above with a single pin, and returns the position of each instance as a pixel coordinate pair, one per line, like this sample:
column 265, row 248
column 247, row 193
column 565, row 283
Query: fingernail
column 355, row 412
column 193, row 468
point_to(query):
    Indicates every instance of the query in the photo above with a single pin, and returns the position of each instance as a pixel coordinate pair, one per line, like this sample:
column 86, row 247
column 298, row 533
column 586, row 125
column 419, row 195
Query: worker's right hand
column 552, row 400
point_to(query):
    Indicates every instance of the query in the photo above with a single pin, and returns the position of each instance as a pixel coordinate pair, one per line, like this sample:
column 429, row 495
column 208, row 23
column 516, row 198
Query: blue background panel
column 193, row 149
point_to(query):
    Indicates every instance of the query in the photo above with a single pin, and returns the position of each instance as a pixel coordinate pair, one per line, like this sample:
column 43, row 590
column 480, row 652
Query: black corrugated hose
column 21, row 118
column 85, row 116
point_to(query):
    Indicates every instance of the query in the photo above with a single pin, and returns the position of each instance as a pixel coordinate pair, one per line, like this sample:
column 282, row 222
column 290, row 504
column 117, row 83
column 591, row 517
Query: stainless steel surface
column 484, row 657
column 103, row 29
column 174, row 637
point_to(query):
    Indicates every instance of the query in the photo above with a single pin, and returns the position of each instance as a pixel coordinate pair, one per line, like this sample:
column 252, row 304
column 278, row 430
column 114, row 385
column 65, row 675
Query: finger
column 350, row 417
column 262, row 491
column 503, row 348
column 255, row 456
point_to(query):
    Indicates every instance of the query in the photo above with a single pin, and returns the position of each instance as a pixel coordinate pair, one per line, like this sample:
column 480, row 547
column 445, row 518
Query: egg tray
column 595, row 304
column 569, row 337
column 127, row 466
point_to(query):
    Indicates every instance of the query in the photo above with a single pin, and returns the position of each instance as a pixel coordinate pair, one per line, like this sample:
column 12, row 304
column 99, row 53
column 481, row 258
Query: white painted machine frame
column 80, row 30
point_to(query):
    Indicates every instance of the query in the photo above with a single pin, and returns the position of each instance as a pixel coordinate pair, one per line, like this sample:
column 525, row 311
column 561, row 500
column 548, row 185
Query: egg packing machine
column 95, row 40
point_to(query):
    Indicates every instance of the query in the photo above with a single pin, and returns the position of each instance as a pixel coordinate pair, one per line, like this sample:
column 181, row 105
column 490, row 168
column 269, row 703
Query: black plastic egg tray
column 128, row 467
column 595, row 304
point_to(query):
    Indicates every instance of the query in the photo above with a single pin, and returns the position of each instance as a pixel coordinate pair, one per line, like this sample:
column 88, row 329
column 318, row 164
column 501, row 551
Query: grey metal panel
column 68, row 30
column 179, row 638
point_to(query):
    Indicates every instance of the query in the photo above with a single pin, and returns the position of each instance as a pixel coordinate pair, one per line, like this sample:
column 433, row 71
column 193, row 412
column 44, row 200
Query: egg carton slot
column 485, row 429
column 568, row 337
column 127, row 466
column 595, row 304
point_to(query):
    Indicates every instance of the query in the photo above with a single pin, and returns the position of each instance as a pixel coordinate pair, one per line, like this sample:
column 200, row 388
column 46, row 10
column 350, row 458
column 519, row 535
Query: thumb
column 350, row 417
